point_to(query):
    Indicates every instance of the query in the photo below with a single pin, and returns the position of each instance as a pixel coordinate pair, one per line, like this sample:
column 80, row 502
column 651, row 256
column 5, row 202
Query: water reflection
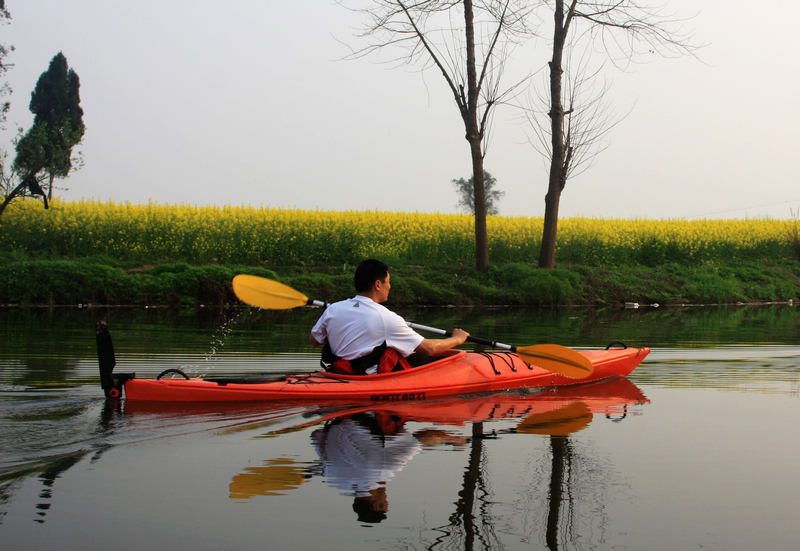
column 48, row 478
column 45, row 438
column 361, row 448
column 547, row 470
column 762, row 369
column 361, row 451
column 473, row 526
column 275, row 478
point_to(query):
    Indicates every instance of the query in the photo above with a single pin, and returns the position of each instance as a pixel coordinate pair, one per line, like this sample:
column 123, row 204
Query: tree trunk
column 10, row 196
column 470, row 115
column 17, row 190
column 547, row 255
column 481, row 233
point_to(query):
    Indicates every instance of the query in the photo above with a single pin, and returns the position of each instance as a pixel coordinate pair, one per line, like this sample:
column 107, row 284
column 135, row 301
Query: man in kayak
column 362, row 337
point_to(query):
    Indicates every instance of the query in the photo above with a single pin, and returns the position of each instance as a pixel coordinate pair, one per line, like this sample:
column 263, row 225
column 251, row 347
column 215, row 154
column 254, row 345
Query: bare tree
column 622, row 29
column 588, row 117
column 470, row 49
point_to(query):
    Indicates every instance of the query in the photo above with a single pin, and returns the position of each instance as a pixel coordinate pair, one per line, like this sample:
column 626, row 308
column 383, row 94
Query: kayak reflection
column 361, row 448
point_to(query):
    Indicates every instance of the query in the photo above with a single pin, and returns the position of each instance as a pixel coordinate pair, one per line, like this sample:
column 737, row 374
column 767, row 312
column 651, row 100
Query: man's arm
column 314, row 342
column 434, row 347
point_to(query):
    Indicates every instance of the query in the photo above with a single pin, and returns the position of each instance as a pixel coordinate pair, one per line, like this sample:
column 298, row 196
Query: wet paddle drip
column 218, row 340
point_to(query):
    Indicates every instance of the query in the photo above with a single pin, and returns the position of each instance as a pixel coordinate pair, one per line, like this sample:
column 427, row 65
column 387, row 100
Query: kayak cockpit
column 447, row 357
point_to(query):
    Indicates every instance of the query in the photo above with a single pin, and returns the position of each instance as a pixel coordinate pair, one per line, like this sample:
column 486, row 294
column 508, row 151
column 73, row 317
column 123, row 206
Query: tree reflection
column 47, row 458
column 573, row 479
column 465, row 525
column 560, row 450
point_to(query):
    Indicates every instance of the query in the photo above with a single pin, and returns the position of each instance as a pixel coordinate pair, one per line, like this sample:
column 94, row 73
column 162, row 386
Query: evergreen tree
column 46, row 149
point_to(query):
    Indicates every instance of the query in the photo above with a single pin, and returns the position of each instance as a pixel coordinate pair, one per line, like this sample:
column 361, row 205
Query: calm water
column 698, row 449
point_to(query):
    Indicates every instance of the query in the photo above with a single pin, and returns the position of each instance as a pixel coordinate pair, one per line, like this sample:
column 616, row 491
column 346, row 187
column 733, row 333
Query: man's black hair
column 368, row 272
column 365, row 511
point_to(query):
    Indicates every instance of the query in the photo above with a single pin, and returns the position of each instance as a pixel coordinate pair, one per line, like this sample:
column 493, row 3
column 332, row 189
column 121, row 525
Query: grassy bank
column 72, row 282
column 106, row 253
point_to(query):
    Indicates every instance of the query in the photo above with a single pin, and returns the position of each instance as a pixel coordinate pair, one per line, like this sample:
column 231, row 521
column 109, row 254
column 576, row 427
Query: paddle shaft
column 477, row 340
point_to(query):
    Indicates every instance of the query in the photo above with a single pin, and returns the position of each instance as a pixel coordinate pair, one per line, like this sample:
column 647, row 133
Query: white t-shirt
column 354, row 327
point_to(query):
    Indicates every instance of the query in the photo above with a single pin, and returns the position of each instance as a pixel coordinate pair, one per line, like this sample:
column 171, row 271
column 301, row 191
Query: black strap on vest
column 359, row 365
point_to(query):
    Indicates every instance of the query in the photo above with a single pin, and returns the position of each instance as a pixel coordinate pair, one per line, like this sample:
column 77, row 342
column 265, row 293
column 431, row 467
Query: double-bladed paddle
column 266, row 293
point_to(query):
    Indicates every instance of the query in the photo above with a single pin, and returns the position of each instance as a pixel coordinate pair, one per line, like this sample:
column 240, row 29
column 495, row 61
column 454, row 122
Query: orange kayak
column 456, row 373
column 541, row 412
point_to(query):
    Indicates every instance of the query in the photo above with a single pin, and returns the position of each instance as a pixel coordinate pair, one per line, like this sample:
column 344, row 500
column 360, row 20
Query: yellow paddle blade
column 558, row 359
column 564, row 421
column 266, row 293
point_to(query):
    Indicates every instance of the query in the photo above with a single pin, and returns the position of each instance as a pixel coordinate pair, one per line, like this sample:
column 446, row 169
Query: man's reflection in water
column 362, row 451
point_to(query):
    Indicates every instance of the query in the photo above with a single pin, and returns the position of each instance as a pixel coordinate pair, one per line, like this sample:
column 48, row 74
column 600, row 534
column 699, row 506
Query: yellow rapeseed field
column 153, row 232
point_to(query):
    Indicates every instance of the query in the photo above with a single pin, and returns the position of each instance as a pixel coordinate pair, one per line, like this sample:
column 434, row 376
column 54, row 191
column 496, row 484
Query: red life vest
column 387, row 359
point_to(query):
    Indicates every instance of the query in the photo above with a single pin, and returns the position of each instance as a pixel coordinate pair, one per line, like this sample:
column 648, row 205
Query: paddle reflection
column 276, row 478
column 362, row 448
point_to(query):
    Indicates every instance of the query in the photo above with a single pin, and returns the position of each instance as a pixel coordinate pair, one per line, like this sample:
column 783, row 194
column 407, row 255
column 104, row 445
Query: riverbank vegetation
column 88, row 252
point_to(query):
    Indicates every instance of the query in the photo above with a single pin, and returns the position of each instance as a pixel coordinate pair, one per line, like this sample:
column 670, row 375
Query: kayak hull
column 457, row 373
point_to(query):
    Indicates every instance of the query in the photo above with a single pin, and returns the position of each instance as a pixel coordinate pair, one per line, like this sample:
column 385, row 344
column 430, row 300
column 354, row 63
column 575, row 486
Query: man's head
column 372, row 508
column 367, row 273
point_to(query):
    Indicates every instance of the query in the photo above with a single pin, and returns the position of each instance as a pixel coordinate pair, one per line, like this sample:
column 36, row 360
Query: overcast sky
column 248, row 102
